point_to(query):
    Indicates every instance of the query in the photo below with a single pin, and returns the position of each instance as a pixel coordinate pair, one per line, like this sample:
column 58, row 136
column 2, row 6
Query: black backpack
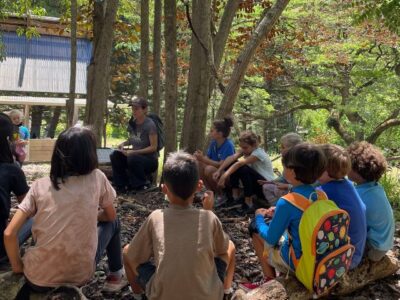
column 160, row 129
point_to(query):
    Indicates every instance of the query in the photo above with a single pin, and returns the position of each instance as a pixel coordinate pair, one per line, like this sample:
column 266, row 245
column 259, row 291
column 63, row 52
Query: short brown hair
column 224, row 126
column 338, row 160
column 249, row 137
column 367, row 160
column 181, row 174
column 307, row 160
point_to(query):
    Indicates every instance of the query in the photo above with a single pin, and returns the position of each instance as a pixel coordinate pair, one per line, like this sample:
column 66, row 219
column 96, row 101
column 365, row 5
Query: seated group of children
column 181, row 252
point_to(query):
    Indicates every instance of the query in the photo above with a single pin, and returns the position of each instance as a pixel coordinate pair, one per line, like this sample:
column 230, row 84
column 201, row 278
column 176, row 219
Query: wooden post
column 76, row 115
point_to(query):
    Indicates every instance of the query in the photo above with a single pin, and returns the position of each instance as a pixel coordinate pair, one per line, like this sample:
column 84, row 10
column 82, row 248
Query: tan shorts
column 275, row 259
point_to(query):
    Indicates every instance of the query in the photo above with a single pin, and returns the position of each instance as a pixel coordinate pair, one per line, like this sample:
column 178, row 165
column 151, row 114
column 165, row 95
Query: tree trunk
column 270, row 17
column 144, row 49
column 219, row 41
column 72, row 80
column 37, row 117
column 171, row 76
column 51, row 131
column 157, row 56
column 99, row 68
column 194, row 123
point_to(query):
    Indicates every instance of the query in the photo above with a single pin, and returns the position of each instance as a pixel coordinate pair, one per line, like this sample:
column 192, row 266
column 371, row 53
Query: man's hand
column 208, row 200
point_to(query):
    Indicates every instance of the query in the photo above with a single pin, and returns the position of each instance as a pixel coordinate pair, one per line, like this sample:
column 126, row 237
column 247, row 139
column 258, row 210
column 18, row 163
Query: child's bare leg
column 208, row 178
column 130, row 274
column 230, row 270
column 258, row 244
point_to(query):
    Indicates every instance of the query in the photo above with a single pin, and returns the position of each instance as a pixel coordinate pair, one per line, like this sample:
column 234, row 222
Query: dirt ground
column 132, row 210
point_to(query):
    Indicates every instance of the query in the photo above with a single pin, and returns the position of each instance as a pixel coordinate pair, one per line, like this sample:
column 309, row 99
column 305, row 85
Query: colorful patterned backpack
column 325, row 243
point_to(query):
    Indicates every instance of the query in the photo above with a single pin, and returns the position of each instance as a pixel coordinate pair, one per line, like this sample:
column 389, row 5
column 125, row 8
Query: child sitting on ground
column 255, row 165
column 341, row 191
column 20, row 136
column 69, row 230
column 220, row 148
column 302, row 166
column 367, row 167
column 273, row 190
column 189, row 248
column 12, row 179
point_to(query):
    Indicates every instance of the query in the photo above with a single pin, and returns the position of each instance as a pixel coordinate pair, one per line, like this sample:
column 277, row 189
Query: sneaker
column 220, row 200
column 249, row 286
column 114, row 283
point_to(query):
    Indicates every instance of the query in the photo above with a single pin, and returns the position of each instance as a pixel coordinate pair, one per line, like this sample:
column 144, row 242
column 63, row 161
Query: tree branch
column 334, row 122
column 286, row 112
column 390, row 122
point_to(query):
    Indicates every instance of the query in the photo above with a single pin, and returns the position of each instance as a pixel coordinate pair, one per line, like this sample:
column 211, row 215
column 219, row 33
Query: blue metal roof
column 42, row 64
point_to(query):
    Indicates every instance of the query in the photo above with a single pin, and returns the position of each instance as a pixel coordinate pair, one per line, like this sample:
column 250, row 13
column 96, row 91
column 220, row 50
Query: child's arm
column 208, row 200
column 232, row 169
column 227, row 162
column 273, row 231
column 206, row 160
column 11, row 241
column 107, row 214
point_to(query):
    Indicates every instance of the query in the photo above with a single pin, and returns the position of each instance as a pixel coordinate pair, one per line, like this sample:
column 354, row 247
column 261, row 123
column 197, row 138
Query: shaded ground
column 132, row 210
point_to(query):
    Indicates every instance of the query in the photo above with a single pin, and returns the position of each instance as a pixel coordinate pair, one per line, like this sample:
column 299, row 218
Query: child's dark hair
column 367, row 160
column 307, row 161
column 338, row 161
column 74, row 154
column 224, row 126
column 181, row 174
column 249, row 137
column 6, row 131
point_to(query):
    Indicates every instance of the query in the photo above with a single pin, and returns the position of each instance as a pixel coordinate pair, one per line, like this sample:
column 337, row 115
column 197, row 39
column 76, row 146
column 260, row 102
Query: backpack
column 160, row 129
column 326, row 249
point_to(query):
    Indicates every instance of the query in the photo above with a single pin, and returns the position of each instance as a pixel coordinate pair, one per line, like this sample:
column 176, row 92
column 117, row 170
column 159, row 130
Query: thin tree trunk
column 268, row 20
column 171, row 76
column 144, row 49
column 219, row 41
column 99, row 68
column 51, row 131
column 71, row 101
column 157, row 56
column 195, row 118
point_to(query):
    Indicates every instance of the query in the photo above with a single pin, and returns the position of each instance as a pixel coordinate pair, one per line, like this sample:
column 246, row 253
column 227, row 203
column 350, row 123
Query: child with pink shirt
column 74, row 221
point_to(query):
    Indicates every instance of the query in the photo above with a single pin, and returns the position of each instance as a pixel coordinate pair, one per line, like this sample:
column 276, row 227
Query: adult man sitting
column 132, row 167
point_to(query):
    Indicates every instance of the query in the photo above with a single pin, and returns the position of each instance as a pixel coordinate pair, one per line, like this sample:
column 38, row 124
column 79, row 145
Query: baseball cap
column 138, row 102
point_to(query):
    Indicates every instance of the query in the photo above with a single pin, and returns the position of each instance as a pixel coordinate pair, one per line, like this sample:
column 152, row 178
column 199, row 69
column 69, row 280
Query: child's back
column 343, row 193
column 380, row 221
column 184, row 243
column 367, row 166
column 65, row 228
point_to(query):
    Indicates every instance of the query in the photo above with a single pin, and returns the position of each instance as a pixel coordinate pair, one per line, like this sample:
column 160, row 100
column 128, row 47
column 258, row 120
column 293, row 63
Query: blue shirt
column 380, row 221
column 24, row 132
column 286, row 217
column 222, row 152
column 343, row 193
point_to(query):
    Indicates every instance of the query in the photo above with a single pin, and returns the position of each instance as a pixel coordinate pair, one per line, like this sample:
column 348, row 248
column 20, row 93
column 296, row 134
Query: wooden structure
column 36, row 70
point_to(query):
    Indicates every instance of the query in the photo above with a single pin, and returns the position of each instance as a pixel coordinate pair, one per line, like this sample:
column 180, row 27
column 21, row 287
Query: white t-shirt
column 263, row 165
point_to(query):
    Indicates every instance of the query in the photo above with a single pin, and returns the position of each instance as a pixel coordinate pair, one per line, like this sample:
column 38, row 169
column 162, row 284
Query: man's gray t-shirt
column 139, row 135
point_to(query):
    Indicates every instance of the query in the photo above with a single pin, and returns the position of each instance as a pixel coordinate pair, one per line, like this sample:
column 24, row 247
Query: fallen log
column 290, row 288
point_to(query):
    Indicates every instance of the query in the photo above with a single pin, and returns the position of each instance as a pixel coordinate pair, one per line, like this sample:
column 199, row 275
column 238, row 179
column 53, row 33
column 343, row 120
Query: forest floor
column 132, row 211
